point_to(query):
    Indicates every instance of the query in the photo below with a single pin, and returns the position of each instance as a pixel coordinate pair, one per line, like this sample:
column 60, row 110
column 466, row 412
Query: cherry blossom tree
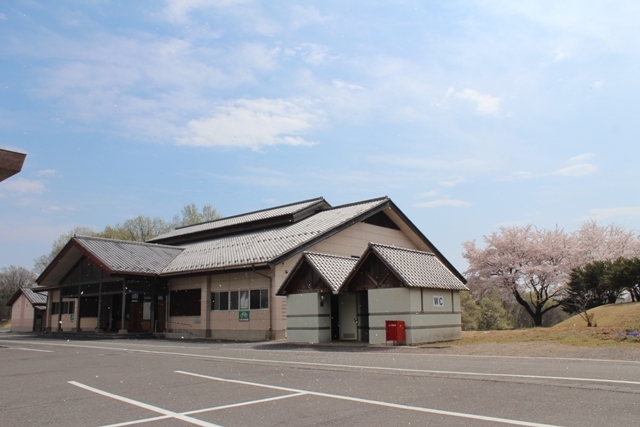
column 534, row 265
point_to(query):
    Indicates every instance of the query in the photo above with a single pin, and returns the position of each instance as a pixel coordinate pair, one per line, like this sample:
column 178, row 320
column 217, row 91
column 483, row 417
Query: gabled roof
column 269, row 247
column 332, row 269
column 124, row 257
column 36, row 299
column 279, row 215
column 414, row 268
column 113, row 256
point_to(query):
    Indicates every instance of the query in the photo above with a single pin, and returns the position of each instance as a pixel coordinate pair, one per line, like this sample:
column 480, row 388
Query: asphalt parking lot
column 169, row 383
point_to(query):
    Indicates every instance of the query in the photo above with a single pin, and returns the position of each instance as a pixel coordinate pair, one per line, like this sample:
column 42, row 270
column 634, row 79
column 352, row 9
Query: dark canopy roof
column 10, row 163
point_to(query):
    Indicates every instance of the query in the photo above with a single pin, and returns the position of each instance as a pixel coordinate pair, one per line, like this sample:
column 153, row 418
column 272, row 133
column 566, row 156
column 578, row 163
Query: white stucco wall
column 308, row 321
column 424, row 321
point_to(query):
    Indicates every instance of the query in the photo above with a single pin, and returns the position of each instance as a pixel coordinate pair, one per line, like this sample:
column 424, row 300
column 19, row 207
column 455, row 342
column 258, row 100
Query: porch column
column 123, row 330
column 59, row 328
column 77, row 315
column 98, row 325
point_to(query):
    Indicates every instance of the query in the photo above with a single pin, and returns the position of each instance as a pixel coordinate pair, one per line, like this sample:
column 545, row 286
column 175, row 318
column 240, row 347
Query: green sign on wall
column 243, row 316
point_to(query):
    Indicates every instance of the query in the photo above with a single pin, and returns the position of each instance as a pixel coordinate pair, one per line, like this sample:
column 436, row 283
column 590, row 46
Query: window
column 244, row 300
column 68, row 307
column 259, row 299
column 233, row 300
column 220, row 301
column 255, row 299
column 184, row 303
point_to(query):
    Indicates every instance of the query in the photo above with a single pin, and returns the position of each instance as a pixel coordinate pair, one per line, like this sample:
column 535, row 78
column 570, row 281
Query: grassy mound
column 619, row 316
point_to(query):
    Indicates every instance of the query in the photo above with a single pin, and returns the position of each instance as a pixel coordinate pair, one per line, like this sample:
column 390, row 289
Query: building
column 10, row 163
column 28, row 310
column 220, row 279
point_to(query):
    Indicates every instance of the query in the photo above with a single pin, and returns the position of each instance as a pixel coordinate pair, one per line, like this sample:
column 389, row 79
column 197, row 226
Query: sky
column 469, row 115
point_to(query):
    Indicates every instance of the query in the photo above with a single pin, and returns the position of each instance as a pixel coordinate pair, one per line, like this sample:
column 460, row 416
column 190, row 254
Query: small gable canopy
column 37, row 300
column 316, row 272
column 391, row 266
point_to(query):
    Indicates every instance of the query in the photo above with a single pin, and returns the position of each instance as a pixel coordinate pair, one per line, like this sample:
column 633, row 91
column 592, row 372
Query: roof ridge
column 329, row 255
column 362, row 202
column 133, row 242
column 317, row 199
column 372, row 244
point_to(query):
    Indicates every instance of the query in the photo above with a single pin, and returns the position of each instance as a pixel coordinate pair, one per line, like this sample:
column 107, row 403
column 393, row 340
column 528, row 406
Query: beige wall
column 224, row 324
column 355, row 239
column 22, row 315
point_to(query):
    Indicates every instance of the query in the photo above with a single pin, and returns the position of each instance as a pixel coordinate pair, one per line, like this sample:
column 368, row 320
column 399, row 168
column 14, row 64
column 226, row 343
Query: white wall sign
column 438, row 301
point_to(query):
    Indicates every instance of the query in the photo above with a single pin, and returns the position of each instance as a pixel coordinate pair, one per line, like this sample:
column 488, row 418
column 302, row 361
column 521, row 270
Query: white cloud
column 253, row 123
column 577, row 170
column 3, row 17
column 23, row 186
column 604, row 213
column 47, row 172
column 177, row 11
column 443, row 202
column 452, row 182
column 581, row 157
column 339, row 84
column 486, row 105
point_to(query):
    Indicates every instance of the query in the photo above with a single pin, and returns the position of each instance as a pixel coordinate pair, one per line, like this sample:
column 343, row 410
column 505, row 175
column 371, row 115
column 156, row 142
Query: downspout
column 253, row 268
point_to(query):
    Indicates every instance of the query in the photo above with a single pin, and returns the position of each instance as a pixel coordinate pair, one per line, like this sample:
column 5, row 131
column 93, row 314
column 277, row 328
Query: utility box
column 395, row 331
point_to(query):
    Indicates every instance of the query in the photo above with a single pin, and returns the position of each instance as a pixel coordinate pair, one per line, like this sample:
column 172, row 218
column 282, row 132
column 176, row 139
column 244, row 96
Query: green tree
column 470, row 312
column 493, row 315
column 624, row 274
column 138, row 229
column 191, row 215
column 588, row 287
column 11, row 279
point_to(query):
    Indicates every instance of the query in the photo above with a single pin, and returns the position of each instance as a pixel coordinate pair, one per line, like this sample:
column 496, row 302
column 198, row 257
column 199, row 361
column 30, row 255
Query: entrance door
column 335, row 318
column 363, row 316
column 348, row 317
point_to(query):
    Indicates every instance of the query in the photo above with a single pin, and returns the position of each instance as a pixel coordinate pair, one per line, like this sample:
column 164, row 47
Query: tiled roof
column 240, row 219
column 265, row 246
column 125, row 257
column 332, row 268
column 33, row 297
column 417, row 268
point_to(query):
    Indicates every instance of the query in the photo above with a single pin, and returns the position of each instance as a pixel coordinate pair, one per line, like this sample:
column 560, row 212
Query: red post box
column 395, row 331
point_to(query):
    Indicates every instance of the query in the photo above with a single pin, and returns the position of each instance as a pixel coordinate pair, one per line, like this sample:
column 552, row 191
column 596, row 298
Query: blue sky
column 469, row 115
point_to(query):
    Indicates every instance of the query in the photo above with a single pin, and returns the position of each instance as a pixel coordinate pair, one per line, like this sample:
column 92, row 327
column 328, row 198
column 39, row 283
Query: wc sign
column 438, row 301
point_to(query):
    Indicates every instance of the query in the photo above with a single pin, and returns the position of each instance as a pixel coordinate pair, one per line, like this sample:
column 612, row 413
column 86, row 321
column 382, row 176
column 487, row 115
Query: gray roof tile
column 240, row 219
column 33, row 297
column 129, row 257
column 333, row 269
column 265, row 246
column 417, row 268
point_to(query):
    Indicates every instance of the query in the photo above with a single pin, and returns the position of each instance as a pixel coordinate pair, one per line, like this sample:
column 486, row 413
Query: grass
column 614, row 321
column 5, row 323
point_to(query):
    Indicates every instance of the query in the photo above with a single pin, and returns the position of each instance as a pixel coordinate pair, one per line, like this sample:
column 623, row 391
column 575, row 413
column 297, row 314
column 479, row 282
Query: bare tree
column 43, row 261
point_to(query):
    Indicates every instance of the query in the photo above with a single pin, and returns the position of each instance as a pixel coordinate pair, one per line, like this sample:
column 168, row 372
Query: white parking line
column 165, row 412
column 376, row 402
column 29, row 349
